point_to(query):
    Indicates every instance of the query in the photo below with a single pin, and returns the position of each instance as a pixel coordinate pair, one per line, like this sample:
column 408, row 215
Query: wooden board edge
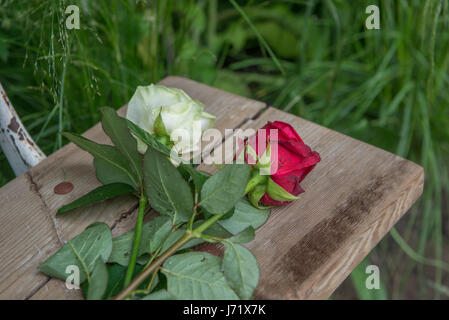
column 335, row 270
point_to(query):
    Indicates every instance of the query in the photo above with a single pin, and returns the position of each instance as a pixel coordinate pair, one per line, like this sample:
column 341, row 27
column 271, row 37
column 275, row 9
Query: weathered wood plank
column 74, row 165
column 305, row 250
column 353, row 197
column 27, row 237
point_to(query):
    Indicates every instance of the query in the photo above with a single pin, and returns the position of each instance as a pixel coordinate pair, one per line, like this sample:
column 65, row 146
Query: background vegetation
column 315, row 59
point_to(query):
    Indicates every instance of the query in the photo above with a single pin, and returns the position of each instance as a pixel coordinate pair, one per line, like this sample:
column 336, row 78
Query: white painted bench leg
column 20, row 149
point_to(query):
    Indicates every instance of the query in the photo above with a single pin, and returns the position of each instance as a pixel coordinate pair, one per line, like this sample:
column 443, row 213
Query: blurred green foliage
column 315, row 59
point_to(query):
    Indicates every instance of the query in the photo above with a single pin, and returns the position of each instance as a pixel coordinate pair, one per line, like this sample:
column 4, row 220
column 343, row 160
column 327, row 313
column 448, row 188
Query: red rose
column 291, row 160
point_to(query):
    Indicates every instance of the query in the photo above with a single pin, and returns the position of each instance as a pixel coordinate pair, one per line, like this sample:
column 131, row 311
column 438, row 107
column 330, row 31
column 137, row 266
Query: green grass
column 314, row 59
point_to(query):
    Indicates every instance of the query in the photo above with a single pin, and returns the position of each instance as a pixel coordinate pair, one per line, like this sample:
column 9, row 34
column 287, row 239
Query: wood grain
column 305, row 250
column 27, row 235
column 29, row 230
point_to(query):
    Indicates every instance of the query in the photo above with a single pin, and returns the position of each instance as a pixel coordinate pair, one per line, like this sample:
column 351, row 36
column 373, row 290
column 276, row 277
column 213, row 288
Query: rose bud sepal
column 256, row 194
column 276, row 192
column 159, row 127
column 256, row 179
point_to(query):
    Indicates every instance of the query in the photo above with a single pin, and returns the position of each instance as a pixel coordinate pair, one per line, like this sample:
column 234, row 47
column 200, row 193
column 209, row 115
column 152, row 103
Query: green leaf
column 159, row 295
column 196, row 276
column 278, row 193
column 117, row 129
column 246, row 235
column 108, row 174
column 154, row 234
column 116, row 280
column 121, row 248
column 222, row 191
column 245, row 215
column 212, row 234
column 153, row 142
column 241, row 269
column 175, row 236
column 108, row 155
column 157, row 230
column 171, row 239
column 215, row 230
column 82, row 251
column 227, row 215
column 101, row 193
column 98, row 281
column 116, row 274
column 167, row 191
column 198, row 177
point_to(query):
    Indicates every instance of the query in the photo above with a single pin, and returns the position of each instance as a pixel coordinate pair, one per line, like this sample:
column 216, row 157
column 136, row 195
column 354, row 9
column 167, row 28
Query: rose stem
column 137, row 237
column 189, row 235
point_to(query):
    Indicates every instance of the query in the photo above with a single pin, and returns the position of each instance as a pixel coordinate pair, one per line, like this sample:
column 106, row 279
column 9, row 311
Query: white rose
column 169, row 112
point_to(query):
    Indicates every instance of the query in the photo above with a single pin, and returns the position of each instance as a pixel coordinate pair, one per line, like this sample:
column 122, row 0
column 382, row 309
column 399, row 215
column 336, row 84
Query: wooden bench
column 305, row 250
